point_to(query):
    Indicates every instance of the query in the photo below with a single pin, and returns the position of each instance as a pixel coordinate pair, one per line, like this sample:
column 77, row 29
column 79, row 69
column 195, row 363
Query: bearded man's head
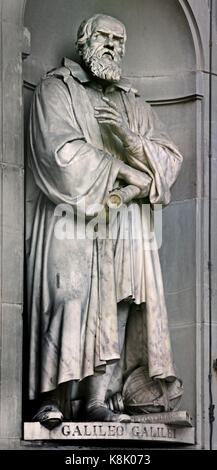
column 101, row 44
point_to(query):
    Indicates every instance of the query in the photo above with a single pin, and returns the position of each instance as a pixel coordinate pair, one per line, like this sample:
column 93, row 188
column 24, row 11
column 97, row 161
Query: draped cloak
column 75, row 283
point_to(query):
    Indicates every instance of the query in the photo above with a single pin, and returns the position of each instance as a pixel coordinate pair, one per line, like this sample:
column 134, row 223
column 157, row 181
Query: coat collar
column 82, row 76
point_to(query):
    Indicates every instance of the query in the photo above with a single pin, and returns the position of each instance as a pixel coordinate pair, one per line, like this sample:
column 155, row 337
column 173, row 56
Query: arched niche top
column 195, row 32
column 163, row 37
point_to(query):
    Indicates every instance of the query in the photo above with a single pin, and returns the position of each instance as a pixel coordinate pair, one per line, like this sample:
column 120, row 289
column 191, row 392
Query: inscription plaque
column 101, row 430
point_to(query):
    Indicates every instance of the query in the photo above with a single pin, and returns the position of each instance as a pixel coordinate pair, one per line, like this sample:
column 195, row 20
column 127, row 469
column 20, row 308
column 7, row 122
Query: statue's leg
column 97, row 385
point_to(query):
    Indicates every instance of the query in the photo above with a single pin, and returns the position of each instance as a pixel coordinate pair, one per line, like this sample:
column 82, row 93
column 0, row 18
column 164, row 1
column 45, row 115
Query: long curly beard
column 106, row 67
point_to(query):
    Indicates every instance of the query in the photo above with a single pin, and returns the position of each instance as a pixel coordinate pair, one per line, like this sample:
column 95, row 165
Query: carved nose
column 110, row 45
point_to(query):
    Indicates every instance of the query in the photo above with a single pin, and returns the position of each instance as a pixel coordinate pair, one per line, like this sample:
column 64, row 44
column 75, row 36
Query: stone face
column 114, row 431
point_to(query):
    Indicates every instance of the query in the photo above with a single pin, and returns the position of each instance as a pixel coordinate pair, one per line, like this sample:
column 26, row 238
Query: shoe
column 49, row 416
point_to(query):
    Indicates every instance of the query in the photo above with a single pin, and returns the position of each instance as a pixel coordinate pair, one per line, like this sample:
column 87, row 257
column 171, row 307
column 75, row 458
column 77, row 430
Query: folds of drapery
column 160, row 158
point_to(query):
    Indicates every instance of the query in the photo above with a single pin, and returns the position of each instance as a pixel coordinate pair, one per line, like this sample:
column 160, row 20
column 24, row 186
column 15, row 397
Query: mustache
column 105, row 69
column 100, row 51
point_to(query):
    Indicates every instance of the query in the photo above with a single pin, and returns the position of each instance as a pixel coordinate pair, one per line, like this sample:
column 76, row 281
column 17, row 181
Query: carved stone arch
column 188, row 9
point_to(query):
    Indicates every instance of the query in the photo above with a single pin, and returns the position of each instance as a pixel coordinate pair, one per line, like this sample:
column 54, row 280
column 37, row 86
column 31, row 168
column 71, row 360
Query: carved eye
column 97, row 36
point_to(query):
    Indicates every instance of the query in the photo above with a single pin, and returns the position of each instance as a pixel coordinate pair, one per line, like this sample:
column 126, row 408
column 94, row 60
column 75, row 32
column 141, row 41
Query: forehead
column 110, row 25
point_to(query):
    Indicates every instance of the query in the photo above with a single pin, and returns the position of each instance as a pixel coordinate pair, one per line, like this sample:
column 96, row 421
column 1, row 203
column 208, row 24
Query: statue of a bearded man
column 96, row 303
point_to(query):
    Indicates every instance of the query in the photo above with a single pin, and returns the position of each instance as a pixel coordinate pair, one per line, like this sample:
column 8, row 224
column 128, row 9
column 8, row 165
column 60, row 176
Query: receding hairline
column 87, row 25
column 99, row 16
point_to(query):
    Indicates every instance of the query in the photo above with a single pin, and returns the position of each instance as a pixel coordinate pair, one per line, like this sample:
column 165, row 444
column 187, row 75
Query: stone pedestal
column 143, row 428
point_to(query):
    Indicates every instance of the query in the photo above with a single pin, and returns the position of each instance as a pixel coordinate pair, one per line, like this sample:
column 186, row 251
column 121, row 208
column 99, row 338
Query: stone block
column 11, row 371
column 12, row 269
column 13, row 198
column 214, row 116
column 12, row 11
column 1, row 98
column 204, row 397
column 113, row 431
column 214, row 173
column 214, row 372
column 181, row 306
column 0, row 229
column 180, row 123
column 184, row 351
column 10, row 444
column 167, row 88
column 12, row 92
column 12, row 236
column 214, row 25
column 213, row 239
column 178, row 247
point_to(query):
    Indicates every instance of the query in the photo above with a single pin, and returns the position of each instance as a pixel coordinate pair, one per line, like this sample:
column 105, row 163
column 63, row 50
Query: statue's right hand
column 136, row 178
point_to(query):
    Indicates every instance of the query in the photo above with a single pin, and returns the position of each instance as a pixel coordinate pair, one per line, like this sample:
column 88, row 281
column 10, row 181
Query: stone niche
column 161, row 62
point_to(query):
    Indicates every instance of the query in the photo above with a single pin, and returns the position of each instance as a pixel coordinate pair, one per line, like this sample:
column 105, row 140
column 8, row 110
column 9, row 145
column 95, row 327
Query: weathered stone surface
column 11, row 371
column 183, row 344
column 180, row 123
column 177, row 418
column 214, row 372
column 12, row 237
column 178, row 251
column 13, row 200
column 164, row 89
column 114, row 431
column 0, row 229
column 12, row 10
column 214, row 123
column 12, row 81
column 12, row 269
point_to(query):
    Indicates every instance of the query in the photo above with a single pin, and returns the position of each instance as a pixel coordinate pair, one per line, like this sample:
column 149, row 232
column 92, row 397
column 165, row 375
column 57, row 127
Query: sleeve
column 157, row 155
column 65, row 167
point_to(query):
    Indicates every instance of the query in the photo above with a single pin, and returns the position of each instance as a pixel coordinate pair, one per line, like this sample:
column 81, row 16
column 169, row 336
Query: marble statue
column 96, row 304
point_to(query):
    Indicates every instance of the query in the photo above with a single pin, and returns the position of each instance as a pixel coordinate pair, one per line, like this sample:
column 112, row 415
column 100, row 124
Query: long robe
column 75, row 284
